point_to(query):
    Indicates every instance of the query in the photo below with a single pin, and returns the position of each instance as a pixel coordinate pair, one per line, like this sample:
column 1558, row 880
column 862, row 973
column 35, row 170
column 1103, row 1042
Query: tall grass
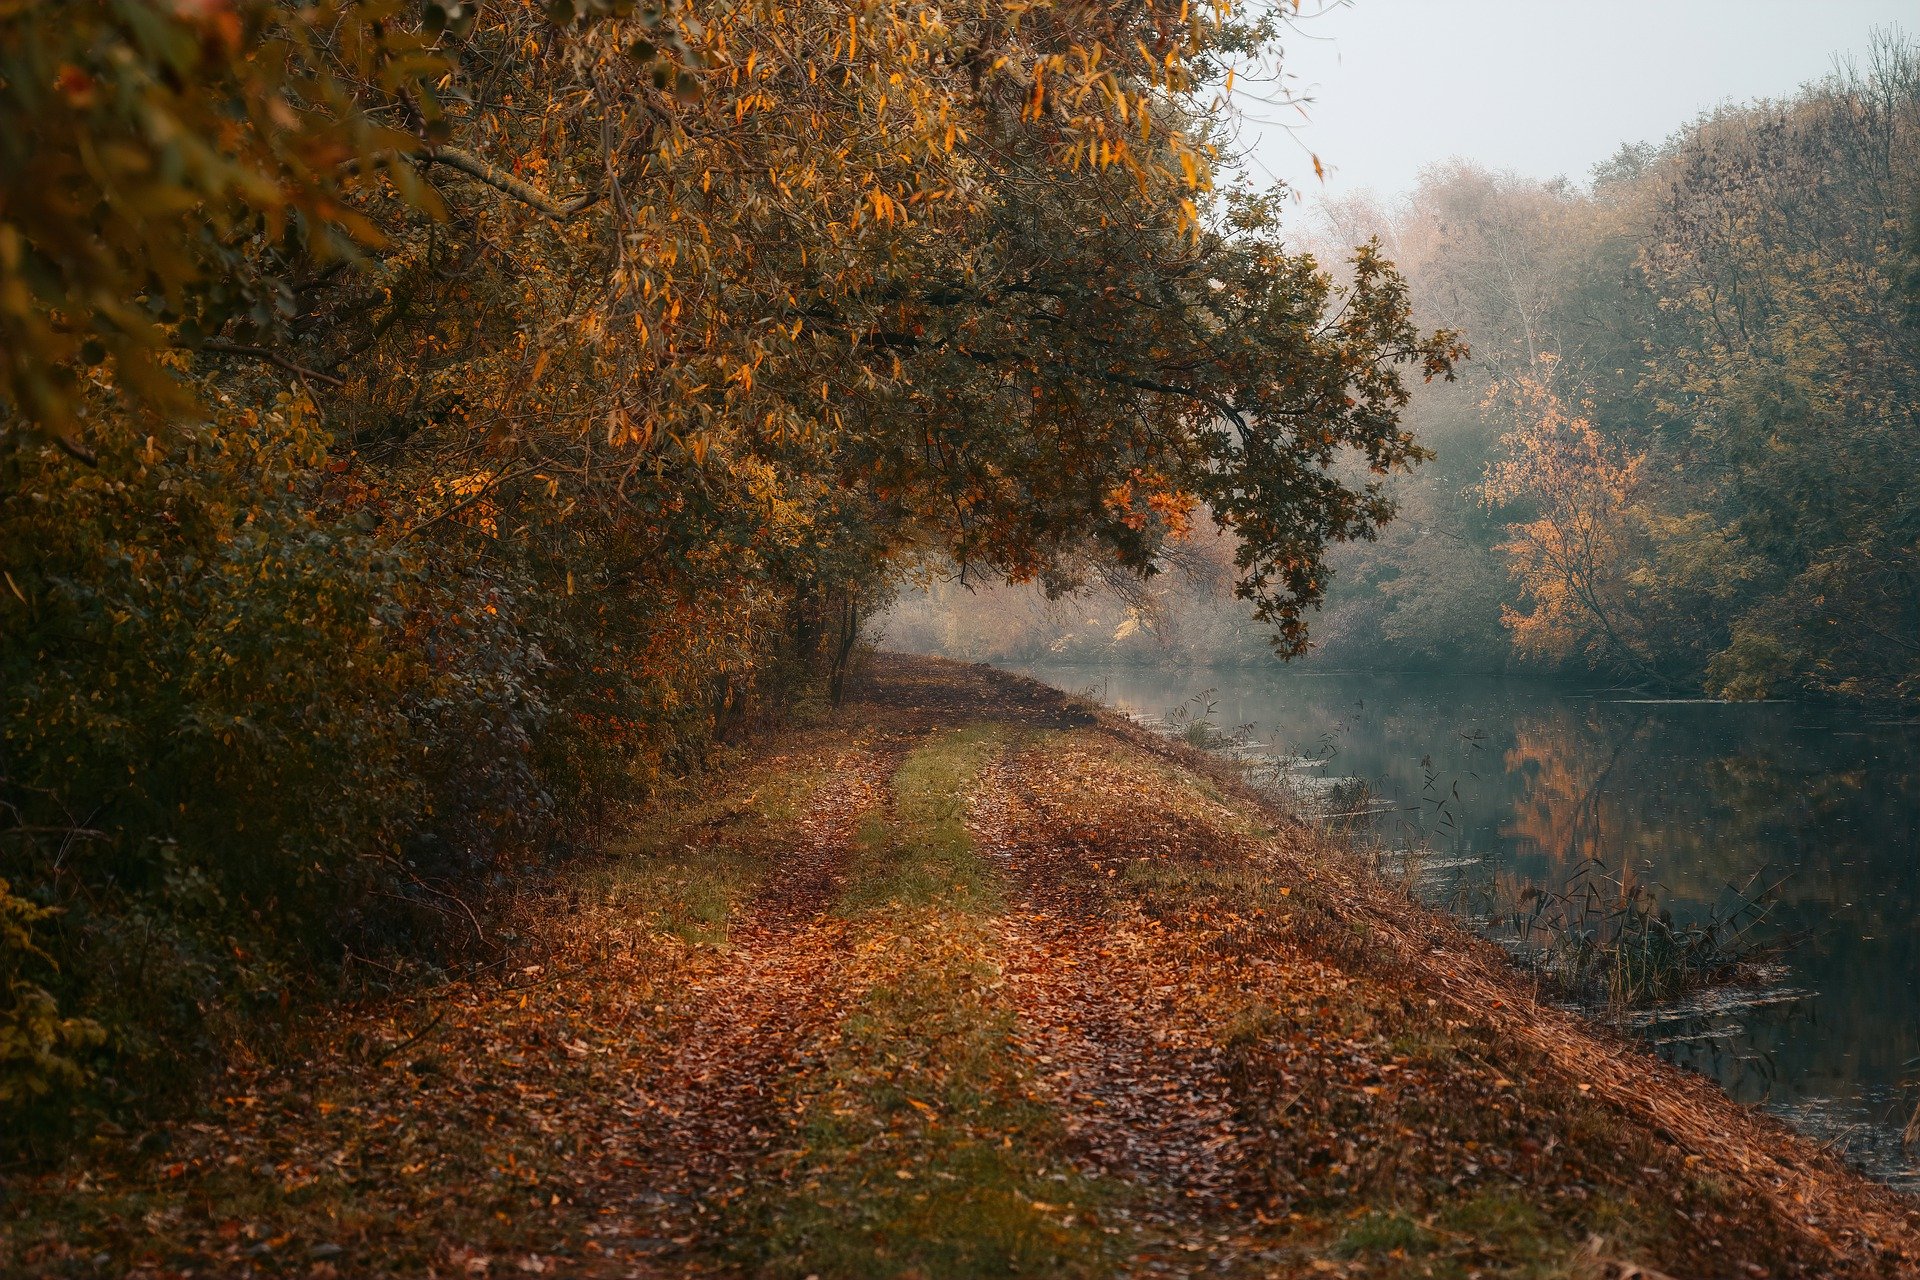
column 1603, row 939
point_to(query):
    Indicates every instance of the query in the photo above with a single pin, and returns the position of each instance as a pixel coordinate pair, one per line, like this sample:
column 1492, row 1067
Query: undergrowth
column 1602, row 940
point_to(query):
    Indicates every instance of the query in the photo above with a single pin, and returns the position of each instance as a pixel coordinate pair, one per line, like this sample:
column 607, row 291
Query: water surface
column 1483, row 777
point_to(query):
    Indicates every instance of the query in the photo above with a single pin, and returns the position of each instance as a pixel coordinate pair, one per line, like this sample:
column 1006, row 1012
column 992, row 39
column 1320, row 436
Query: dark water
column 1481, row 777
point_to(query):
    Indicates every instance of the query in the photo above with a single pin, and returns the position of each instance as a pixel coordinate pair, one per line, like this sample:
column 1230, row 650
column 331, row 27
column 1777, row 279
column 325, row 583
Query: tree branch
column 500, row 180
column 220, row 346
column 75, row 450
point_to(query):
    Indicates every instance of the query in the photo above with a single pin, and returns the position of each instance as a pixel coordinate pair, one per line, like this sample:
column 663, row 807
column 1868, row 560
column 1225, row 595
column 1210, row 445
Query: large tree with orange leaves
column 426, row 423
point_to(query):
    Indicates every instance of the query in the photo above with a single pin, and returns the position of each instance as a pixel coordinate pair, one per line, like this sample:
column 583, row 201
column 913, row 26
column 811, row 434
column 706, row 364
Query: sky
column 1541, row 87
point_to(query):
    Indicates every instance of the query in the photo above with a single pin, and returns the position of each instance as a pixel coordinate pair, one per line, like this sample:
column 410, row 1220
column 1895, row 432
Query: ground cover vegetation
column 425, row 426
column 968, row 979
column 1684, row 454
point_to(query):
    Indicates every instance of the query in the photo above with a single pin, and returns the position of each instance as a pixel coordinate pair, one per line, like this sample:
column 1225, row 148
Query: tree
column 427, row 425
column 1572, row 551
column 1796, row 384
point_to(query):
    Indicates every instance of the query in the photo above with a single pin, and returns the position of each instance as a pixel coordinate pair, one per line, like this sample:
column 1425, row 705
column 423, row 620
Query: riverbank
column 968, row 980
column 1782, row 828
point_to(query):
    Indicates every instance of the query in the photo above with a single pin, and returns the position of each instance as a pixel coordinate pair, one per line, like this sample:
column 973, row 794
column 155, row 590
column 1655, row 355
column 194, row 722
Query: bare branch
column 221, row 347
column 500, row 180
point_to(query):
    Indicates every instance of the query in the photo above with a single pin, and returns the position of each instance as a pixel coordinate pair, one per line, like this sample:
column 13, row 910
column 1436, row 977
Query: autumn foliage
column 424, row 425
column 1684, row 454
column 1580, row 487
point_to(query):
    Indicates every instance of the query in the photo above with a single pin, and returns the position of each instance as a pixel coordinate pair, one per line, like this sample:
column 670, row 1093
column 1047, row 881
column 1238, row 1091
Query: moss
column 1380, row 1232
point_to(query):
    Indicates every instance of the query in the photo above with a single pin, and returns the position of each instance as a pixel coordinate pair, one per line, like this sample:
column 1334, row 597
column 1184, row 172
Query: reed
column 1603, row 938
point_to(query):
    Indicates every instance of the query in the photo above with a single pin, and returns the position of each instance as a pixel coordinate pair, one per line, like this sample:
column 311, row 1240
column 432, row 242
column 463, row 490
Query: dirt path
column 1140, row 1083
column 711, row 1110
column 967, row 981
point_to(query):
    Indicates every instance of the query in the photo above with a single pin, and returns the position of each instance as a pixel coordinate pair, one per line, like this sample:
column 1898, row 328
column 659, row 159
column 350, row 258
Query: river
column 1474, row 780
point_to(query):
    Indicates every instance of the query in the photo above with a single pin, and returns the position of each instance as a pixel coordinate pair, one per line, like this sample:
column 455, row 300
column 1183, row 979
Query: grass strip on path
column 920, row 1146
column 684, row 872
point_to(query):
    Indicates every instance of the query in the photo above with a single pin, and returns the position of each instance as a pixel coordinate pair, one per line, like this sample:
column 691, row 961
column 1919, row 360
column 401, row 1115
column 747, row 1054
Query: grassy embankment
column 965, row 982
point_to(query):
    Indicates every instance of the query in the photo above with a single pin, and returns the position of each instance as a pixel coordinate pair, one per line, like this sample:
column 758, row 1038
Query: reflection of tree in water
column 1695, row 808
column 1565, row 758
column 1854, row 891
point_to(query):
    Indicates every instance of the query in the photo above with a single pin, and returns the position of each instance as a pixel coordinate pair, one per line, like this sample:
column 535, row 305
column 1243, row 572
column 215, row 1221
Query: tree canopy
column 1683, row 456
column 425, row 424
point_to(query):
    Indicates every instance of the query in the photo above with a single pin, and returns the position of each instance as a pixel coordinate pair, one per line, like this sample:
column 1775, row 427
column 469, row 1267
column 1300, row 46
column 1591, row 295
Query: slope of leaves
column 995, row 986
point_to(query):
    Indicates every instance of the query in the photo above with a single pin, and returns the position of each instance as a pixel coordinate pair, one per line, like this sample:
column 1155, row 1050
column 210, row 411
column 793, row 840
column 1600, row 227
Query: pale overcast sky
column 1542, row 87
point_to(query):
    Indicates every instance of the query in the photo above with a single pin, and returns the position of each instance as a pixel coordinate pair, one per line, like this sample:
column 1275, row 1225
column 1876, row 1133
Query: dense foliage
column 1687, row 453
column 426, row 424
column 1693, row 461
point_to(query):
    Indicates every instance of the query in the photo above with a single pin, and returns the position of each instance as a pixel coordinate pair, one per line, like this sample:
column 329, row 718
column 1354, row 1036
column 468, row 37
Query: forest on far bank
column 1684, row 456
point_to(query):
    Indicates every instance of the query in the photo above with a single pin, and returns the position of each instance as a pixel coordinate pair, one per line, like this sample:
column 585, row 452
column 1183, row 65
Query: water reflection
column 1487, row 777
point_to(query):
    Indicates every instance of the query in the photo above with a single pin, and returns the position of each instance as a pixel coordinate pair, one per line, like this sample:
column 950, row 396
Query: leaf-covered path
column 967, row 981
column 748, row 1018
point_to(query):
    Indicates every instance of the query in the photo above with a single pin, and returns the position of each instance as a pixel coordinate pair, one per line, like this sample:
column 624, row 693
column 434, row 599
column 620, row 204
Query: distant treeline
column 1685, row 454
